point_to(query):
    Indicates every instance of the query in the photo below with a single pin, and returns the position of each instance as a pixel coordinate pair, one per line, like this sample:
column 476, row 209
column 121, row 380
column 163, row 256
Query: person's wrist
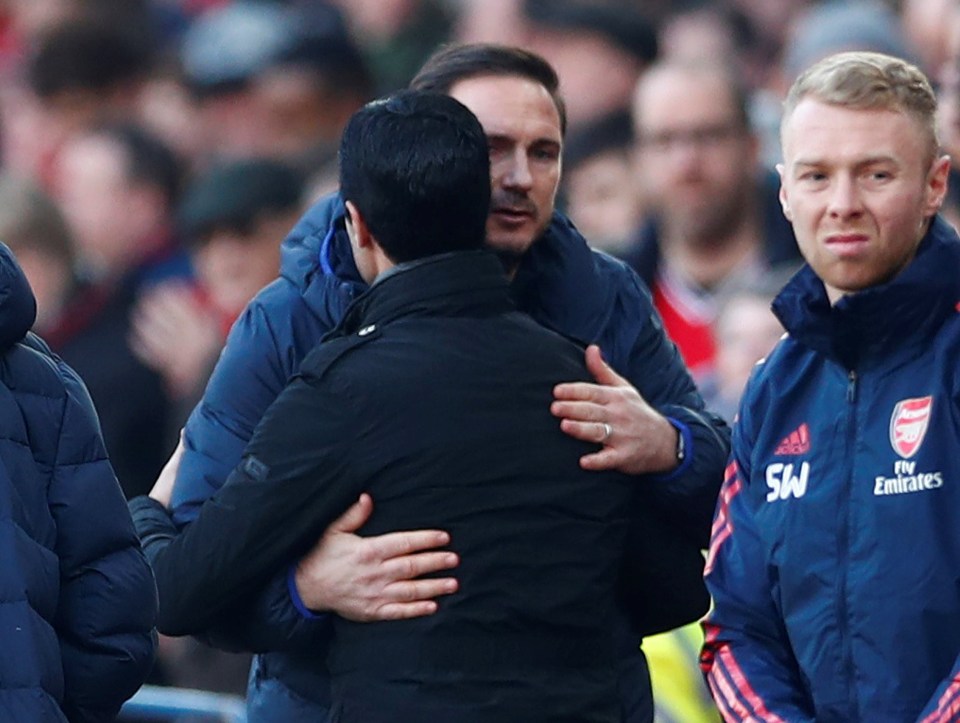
column 296, row 598
column 681, row 451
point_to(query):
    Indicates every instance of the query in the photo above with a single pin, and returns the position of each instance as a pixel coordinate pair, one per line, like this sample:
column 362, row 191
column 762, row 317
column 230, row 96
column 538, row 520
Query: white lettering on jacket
column 783, row 483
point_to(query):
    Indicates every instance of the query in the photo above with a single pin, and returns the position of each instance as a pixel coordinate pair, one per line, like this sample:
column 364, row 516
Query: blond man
column 836, row 544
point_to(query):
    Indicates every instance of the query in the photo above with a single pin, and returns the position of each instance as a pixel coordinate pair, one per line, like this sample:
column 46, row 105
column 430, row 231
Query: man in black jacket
column 433, row 394
column 651, row 420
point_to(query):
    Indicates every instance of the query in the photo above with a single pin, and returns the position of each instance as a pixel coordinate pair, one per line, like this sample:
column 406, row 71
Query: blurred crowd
column 154, row 153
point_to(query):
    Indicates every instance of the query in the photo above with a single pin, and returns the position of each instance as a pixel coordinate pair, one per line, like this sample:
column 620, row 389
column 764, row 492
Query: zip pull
column 851, row 386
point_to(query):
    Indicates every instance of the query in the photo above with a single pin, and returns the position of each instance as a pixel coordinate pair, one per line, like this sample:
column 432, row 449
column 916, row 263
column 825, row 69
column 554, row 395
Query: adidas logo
column 797, row 442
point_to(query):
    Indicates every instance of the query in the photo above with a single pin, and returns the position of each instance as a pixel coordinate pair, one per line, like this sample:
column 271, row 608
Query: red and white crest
column 908, row 425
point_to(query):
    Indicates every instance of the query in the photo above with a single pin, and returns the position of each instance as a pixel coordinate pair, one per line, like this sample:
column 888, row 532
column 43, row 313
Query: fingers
column 598, row 393
column 411, row 591
column 412, row 598
column 586, row 431
column 580, row 392
column 600, row 370
column 404, row 611
column 398, row 544
column 355, row 516
column 409, row 567
column 579, row 411
column 605, row 459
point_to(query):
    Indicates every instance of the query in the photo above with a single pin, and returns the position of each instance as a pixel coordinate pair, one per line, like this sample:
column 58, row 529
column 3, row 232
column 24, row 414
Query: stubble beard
column 714, row 223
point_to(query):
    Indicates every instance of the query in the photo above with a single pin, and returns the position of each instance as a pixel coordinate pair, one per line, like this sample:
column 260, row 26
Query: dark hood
column 18, row 308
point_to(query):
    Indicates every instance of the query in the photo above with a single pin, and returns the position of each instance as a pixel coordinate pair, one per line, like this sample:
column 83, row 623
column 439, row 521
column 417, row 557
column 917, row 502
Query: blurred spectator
column 307, row 94
column 34, row 228
column 598, row 49
column 949, row 112
column 600, row 191
column 771, row 19
column 81, row 73
column 490, row 21
column 745, row 330
column 221, row 52
column 117, row 186
column 926, row 26
column 814, row 31
column 397, row 35
column 714, row 215
column 836, row 25
column 273, row 80
column 24, row 22
column 233, row 218
column 705, row 30
column 697, row 31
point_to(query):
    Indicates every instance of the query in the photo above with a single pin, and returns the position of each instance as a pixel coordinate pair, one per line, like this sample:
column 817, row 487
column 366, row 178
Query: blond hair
column 869, row 81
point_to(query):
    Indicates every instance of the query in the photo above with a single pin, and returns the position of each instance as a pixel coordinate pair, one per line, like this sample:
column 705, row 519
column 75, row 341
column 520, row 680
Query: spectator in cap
column 598, row 50
column 231, row 217
column 307, row 93
column 273, row 80
column 812, row 32
column 839, row 25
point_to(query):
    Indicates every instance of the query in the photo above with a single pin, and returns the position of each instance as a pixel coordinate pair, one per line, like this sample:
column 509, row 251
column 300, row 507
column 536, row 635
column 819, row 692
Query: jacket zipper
column 843, row 539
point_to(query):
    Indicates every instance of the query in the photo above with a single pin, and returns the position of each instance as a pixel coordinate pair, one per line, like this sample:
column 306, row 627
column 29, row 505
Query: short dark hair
column 234, row 193
column 416, row 166
column 150, row 160
column 88, row 55
column 610, row 132
column 453, row 63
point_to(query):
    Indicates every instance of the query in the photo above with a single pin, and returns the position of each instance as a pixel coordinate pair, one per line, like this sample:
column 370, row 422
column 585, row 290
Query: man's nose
column 518, row 173
column 844, row 200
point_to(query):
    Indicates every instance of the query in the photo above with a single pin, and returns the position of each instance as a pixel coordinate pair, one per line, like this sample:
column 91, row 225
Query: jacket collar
column 315, row 258
column 560, row 284
column 18, row 308
column 905, row 311
column 558, row 281
column 464, row 282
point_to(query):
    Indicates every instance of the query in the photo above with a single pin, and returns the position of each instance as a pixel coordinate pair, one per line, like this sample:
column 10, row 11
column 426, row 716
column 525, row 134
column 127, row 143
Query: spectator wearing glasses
column 713, row 215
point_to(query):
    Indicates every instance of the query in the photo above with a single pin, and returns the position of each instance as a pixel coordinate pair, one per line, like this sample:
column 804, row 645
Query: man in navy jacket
column 836, row 546
column 433, row 394
column 77, row 597
column 647, row 414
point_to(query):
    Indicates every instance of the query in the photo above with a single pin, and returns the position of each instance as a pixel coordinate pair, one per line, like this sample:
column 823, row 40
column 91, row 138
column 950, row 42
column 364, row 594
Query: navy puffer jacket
column 77, row 597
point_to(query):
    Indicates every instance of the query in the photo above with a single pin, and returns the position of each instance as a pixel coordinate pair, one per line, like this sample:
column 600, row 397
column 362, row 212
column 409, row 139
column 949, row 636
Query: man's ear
column 936, row 186
column 784, row 203
column 357, row 226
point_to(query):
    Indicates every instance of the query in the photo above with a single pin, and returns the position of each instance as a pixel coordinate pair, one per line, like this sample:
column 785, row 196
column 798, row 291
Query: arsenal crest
column 908, row 425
